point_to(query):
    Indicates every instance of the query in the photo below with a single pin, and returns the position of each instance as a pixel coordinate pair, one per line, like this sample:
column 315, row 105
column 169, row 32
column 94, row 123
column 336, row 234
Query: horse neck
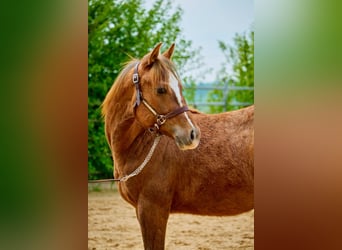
column 124, row 132
column 129, row 138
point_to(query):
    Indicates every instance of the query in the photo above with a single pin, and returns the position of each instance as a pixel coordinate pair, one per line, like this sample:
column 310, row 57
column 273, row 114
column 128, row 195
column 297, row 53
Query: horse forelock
column 161, row 70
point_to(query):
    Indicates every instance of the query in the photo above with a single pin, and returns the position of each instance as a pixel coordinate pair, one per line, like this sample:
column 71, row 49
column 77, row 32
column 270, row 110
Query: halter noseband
column 160, row 119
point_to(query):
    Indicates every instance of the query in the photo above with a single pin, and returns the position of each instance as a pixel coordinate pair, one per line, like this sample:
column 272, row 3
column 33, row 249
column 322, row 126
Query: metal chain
column 143, row 164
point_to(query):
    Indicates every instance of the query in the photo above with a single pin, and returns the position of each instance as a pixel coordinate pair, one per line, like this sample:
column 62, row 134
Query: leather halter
column 160, row 119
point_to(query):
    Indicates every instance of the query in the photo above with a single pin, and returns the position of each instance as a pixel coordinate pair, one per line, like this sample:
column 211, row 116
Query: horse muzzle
column 187, row 139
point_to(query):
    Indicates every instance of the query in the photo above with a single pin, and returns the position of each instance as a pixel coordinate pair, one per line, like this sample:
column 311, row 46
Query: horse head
column 159, row 103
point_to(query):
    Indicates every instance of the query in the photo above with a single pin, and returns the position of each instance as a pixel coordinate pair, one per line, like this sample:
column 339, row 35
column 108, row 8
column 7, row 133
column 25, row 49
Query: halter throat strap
column 160, row 119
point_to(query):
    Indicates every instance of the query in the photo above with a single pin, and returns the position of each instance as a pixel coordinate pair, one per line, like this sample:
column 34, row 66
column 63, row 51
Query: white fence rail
column 225, row 90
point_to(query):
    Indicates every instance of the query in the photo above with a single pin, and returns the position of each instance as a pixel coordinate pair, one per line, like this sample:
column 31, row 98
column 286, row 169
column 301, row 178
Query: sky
column 204, row 22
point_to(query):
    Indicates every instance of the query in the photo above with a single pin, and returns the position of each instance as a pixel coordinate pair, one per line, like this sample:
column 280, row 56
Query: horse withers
column 187, row 161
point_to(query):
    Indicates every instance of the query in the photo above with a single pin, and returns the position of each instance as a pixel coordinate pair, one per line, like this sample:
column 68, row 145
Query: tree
column 238, row 82
column 117, row 31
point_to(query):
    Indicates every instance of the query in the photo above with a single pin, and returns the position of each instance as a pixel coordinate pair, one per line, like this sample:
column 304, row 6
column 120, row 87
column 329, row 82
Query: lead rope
column 138, row 169
column 143, row 164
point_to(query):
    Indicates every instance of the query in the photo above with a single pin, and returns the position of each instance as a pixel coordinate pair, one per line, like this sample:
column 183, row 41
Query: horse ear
column 168, row 54
column 153, row 55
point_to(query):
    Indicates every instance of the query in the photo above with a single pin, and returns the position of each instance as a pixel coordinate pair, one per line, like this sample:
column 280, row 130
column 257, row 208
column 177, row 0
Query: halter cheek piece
column 160, row 119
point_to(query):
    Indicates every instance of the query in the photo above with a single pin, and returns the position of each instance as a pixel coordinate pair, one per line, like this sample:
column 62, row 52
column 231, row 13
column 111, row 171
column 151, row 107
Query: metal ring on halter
column 161, row 119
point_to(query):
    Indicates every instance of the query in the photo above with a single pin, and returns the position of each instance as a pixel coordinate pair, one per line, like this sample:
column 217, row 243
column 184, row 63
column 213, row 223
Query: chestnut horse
column 195, row 163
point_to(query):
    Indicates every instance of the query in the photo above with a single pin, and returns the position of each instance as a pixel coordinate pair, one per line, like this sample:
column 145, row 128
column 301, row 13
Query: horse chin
column 183, row 146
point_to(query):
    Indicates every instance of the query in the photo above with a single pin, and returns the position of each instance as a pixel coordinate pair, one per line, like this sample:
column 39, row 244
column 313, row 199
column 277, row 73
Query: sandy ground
column 112, row 225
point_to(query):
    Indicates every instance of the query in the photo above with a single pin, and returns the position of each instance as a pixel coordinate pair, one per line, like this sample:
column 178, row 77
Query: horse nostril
column 192, row 135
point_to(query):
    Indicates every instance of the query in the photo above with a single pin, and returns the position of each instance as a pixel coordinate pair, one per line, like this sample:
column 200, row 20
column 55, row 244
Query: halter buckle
column 161, row 119
column 135, row 78
column 154, row 129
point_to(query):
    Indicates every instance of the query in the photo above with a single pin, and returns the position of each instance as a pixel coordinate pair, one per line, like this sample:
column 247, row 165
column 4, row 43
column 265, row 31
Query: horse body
column 216, row 177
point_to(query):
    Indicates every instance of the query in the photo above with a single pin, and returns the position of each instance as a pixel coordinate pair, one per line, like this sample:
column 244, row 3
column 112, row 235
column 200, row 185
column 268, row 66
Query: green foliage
column 117, row 31
column 241, row 57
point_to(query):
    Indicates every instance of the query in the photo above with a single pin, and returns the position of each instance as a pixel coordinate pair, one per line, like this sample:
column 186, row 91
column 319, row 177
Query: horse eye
column 161, row 90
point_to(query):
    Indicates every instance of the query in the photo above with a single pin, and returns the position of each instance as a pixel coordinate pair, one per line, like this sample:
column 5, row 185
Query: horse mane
column 117, row 86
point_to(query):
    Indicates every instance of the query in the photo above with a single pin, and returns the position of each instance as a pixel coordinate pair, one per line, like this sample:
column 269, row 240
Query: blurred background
column 44, row 122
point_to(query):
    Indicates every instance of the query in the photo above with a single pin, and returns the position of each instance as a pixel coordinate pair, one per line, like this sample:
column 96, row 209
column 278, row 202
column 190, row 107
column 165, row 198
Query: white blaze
column 175, row 87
